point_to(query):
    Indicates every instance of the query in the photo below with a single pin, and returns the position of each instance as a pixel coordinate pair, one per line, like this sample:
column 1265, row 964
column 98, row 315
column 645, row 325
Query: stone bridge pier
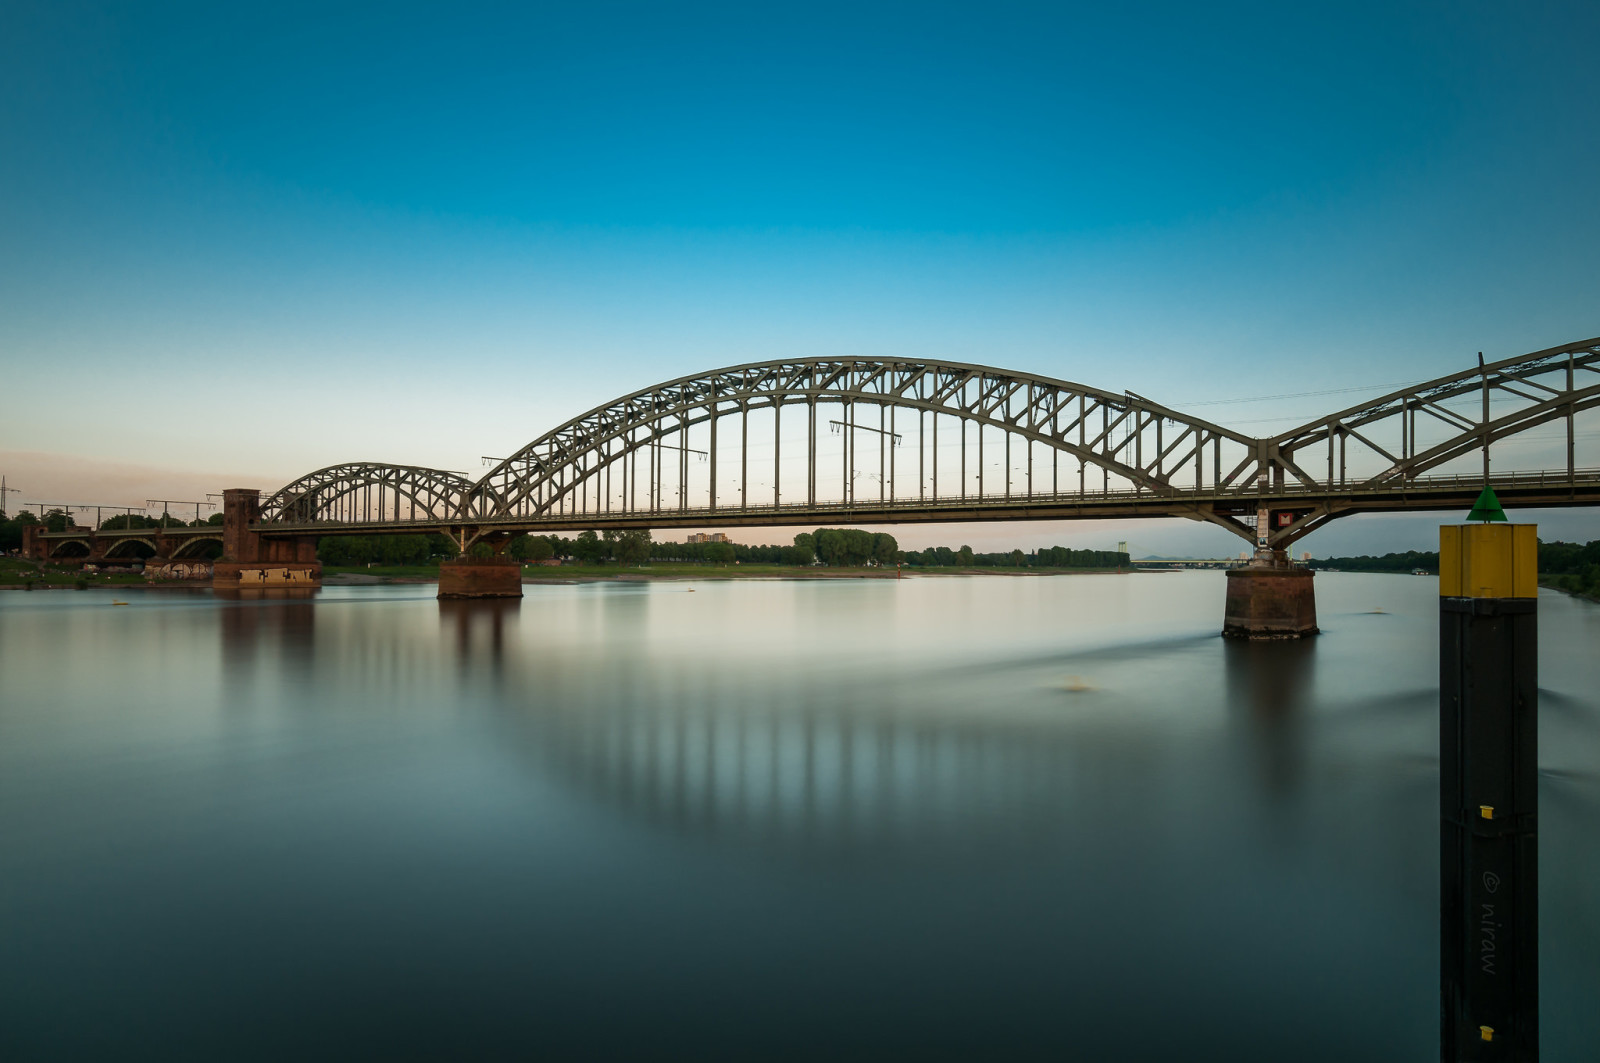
column 1271, row 597
column 251, row 560
column 496, row 576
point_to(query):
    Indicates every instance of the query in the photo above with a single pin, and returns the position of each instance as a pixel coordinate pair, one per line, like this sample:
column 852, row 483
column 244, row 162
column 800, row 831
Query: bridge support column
column 480, row 577
column 251, row 561
column 1270, row 599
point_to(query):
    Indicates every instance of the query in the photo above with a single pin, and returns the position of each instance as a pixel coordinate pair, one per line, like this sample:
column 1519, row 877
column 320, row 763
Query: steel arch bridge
column 796, row 442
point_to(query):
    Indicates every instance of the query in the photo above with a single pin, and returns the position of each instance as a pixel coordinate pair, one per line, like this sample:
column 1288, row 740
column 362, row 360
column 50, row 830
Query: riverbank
column 678, row 571
column 1551, row 583
column 16, row 574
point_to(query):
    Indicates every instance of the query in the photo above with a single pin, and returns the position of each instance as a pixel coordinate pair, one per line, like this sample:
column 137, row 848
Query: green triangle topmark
column 1487, row 507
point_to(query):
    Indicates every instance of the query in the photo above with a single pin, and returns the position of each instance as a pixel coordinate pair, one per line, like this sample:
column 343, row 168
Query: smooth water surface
column 939, row 818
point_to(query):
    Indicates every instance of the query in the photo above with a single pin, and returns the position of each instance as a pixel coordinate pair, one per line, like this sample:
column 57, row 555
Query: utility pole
column 4, row 490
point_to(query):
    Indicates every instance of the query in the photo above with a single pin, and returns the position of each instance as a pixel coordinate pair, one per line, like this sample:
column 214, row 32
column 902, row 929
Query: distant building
column 708, row 537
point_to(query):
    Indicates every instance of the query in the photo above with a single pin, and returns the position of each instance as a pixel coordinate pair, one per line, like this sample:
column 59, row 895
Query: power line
column 1306, row 394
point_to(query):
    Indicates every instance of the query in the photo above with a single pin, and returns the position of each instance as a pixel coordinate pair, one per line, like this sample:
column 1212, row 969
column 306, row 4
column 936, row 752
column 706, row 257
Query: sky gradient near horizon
column 239, row 243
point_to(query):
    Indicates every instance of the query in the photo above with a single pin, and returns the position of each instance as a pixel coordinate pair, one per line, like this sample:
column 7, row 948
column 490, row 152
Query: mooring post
column 1488, row 790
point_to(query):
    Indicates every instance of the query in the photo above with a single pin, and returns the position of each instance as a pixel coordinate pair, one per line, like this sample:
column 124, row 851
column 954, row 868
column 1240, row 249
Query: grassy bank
column 15, row 572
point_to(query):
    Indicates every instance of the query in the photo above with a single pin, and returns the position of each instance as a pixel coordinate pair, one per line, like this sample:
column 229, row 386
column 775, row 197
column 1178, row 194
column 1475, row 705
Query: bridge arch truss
column 1004, row 436
column 369, row 492
column 813, row 440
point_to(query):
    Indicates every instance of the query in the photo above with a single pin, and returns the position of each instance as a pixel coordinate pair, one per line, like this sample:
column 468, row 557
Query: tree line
column 1406, row 561
column 1565, row 566
column 1570, row 567
column 1049, row 557
column 839, row 547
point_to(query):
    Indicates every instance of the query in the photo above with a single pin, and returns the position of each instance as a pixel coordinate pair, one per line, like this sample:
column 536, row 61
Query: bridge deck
column 1525, row 490
column 211, row 531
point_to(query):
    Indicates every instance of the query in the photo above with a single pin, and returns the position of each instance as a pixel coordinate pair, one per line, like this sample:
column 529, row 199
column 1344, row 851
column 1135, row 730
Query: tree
column 884, row 549
column 858, row 546
column 633, row 547
column 830, row 546
column 964, row 556
column 587, row 548
column 805, row 545
column 539, row 549
column 720, row 553
column 1016, row 559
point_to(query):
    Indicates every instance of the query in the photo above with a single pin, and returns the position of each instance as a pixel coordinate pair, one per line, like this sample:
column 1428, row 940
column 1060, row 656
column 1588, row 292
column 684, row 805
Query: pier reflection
column 275, row 626
column 1270, row 693
column 477, row 631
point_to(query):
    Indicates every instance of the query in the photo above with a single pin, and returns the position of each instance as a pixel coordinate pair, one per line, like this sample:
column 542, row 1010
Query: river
column 939, row 818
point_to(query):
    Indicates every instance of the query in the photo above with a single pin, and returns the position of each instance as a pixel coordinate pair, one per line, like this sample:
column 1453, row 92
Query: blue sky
column 240, row 242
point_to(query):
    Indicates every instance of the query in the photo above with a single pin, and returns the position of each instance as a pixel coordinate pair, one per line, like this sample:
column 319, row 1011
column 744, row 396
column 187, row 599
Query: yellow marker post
column 1489, row 561
column 1488, row 787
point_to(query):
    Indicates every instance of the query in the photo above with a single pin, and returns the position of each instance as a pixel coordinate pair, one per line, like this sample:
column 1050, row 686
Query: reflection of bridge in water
column 802, row 762
column 859, row 763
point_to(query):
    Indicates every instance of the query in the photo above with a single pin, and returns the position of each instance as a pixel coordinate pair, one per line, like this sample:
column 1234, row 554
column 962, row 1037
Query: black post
column 1488, row 796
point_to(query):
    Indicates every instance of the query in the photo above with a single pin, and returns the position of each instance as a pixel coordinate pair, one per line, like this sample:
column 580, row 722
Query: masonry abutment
column 252, row 560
